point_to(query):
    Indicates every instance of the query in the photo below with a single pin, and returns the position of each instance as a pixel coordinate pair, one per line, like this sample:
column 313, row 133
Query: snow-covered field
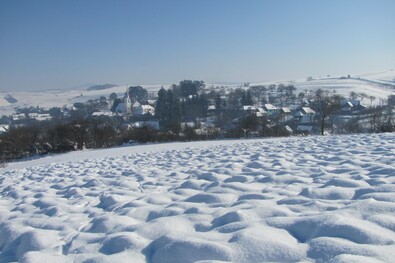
column 323, row 199
column 377, row 84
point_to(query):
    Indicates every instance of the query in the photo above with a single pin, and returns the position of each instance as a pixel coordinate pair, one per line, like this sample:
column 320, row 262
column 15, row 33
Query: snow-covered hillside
column 49, row 99
column 323, row 199
column 379, row 85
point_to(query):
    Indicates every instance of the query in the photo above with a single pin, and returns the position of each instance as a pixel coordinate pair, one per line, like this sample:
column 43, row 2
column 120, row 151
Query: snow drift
column 323, row 199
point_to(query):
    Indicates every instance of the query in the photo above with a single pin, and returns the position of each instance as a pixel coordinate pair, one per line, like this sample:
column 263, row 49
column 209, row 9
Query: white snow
column 299, row 199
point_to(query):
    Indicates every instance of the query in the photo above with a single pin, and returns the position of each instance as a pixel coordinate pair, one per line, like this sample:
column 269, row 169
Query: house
column 32, row 115
column 304, row 115
column 351, row 106
column 270, row 109
column 260, row 112
column 43, row 117
column 139, row 109
column 103, row 113
column 247, row 109
column 18, row 117
column 285, row 110
column 346, row 106
column 211, row 108
column 148, row 109
column 285, row 114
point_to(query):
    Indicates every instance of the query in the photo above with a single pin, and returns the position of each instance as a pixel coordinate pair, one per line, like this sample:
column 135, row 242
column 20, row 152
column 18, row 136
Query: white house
column 139, row 109
column 43, row 117
column 270, row 109
column 305, row 115
column 148, row 109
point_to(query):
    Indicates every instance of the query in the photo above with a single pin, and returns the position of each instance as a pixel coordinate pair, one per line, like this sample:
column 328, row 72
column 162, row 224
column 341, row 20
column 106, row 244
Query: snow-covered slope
column 377, row 84
column 323, row 199
column 345, row 86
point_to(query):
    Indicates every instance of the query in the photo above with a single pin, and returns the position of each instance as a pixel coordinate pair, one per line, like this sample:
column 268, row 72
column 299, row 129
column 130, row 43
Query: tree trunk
column 322, row 125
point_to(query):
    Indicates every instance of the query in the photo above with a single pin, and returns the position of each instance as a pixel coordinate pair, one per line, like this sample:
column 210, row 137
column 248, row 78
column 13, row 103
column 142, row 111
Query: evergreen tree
column 249, row 98
column 138, row 93
column 174, row 112
column 203, row 105
column 218, row 103
column 161, row 111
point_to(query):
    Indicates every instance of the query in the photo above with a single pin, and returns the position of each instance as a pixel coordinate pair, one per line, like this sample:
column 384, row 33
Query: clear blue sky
column 53, row 44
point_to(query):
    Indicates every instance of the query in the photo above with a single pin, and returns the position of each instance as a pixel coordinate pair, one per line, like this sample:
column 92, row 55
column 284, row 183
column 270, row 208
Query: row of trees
column 104, row 132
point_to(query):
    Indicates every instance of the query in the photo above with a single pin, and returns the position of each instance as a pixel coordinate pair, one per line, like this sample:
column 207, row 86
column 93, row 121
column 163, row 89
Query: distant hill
column 10, row 99
column 102, row 87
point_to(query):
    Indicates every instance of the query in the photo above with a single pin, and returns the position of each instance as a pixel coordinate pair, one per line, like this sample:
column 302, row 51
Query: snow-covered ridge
column 323, row 199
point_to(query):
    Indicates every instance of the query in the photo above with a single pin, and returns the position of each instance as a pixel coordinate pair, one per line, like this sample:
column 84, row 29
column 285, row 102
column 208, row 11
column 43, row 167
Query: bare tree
column 376, row 118
column 362, row 96
column 325, row 104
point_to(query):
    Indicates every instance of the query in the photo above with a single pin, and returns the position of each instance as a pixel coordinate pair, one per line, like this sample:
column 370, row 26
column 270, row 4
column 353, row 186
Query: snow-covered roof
column 347, row 103
column 261, row 110
column 102, row 113
column 285, row 110
column 308, row 110
column 147, row 107
column 20, row 116
column 32, row 115
column 270, row 107
column 211, row 107
column 4, row 128
column 43, row 117
column 248, row 108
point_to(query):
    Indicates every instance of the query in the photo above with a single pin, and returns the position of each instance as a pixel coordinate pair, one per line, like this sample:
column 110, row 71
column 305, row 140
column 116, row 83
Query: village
column 193, row 111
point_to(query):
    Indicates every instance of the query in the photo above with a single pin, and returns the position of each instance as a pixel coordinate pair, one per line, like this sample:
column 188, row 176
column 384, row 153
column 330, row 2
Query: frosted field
column 313, row 199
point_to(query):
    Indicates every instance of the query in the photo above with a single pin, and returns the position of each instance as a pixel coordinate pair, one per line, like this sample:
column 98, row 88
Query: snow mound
column 171, row 249
column 312, row 199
